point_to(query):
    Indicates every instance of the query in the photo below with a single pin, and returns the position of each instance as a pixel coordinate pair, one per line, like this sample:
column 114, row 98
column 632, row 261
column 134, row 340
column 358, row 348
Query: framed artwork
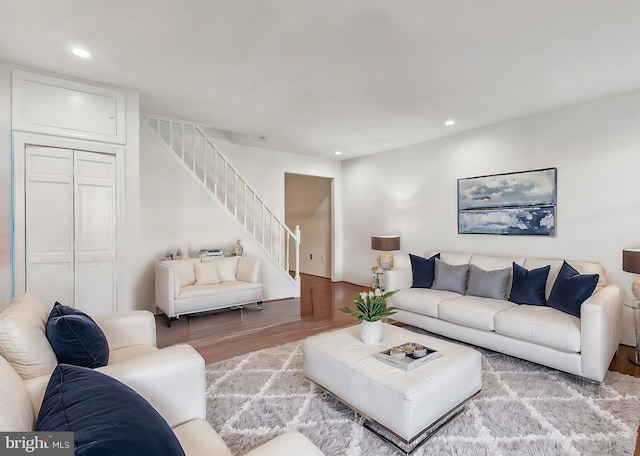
column 522, row 203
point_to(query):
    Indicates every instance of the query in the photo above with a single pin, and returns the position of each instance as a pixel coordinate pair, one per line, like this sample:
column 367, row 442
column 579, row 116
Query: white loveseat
column 582, row 346
column 191, row 285
column 172, row 380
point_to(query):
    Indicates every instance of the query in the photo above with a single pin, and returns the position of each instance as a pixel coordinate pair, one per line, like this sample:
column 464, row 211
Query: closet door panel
column 95, row 232
column 49, row 231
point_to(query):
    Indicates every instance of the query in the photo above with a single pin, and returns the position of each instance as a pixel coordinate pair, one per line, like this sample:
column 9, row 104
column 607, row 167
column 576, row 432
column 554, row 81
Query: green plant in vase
column 371, row 306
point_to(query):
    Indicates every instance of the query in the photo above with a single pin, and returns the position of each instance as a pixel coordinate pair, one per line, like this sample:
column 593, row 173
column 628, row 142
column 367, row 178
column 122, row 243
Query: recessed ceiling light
column 81, row 52
column 337, row 152
column 450, row 122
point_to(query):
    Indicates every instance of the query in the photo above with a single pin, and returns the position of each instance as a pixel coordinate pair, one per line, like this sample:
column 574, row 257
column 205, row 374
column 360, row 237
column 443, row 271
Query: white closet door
column 95, row 232
column 49, row 228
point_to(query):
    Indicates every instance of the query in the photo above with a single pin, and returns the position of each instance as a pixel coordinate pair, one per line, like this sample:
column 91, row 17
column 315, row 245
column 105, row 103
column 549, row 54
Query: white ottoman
column 409, row 404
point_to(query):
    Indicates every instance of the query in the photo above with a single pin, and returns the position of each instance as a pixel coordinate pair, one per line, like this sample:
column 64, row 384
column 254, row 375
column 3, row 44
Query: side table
column 378, row 275
column 635, row 306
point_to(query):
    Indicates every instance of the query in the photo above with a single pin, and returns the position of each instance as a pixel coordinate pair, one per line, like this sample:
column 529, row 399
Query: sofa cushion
column 421, row 300
column 529, row 285
column 422, row 270
column 185, row 271
column 75, row 338
column 488, row 284
column 451, row 258
column 106, row 416
column 571, row 289
column 472, row 311
column 450, row 277
column 206, row 273
column 16, row 413
column 540, row 325
column 227, row 268
column 196, row 291
column 491, row 263
column 22, row 336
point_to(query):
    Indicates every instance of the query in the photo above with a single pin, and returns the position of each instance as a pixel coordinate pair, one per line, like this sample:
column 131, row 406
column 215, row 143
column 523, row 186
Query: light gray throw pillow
column 488, row 284
column 449, row 277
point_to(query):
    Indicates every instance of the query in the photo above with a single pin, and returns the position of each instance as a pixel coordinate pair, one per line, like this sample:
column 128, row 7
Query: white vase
column 371, row 331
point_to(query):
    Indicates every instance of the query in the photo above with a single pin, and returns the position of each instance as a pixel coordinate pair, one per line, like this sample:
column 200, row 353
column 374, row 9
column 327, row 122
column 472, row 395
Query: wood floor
column 229, row 333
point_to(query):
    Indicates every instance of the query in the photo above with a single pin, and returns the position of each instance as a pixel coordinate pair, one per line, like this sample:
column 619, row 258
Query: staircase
column 191, row 147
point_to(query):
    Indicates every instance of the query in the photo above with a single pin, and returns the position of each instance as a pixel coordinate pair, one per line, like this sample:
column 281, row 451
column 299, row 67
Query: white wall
column 595, row 146
column 176, row 213
column 5, row 184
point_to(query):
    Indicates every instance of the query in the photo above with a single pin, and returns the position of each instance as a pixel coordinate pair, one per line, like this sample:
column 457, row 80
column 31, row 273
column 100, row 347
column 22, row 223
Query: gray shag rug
column 523, row 409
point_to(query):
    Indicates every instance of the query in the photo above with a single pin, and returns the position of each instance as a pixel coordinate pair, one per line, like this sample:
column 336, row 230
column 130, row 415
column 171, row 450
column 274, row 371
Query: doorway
column 308, row 203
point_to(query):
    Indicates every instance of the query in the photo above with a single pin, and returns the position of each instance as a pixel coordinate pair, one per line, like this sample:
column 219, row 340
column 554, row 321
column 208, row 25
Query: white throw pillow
column 227, row 269
column 23, row 340
column 207, row 273
column 185, row 271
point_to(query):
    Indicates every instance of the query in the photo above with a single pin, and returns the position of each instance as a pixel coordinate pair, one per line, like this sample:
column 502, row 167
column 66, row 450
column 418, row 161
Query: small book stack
column 210, row 253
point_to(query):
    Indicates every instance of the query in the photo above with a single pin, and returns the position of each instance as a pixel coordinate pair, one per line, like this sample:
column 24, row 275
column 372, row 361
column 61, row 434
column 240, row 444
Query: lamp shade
column 631, row 260
column 385, row 243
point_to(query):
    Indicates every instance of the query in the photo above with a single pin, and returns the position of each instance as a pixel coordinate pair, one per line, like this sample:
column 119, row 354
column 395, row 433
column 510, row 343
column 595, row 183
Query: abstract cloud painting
column 514, row 203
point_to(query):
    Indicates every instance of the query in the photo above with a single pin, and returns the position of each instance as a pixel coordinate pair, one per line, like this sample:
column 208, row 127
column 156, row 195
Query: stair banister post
column 298, row 254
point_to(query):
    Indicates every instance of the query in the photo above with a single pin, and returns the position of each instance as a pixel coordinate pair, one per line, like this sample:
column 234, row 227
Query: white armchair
column 172, row 379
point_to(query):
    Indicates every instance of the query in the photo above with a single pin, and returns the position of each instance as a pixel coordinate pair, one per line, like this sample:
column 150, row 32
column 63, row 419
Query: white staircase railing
column 194, row 151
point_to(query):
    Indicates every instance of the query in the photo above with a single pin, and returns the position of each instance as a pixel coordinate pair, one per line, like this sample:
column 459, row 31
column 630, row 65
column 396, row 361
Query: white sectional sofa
column 583, row 345
column 191, row 285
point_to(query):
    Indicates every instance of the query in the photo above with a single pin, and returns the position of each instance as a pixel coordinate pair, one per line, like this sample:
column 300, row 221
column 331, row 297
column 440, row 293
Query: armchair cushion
column 106, row 416
column 22, row 336
column 75, row 338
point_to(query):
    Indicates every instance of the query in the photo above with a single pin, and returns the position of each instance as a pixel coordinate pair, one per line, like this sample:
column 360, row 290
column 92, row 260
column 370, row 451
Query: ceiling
column 359, row 76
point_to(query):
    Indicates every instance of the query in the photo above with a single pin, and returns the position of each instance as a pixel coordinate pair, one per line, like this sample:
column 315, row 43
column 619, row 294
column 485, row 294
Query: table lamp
column 385, row 244
column 631, row 263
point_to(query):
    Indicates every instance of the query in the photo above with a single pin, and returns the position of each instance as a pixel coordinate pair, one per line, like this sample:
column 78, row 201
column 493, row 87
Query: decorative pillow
column 227, row 268
column 529, row 285
column 571, row 289
column 106, row 416
column 423, row 270
column 22, row 336
column 206, row 273
column 450, row 278
column 75, row 338
column 488, row 284
column 185, row 271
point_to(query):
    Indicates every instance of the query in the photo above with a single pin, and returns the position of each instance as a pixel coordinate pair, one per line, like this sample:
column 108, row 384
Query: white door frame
column 20, row 141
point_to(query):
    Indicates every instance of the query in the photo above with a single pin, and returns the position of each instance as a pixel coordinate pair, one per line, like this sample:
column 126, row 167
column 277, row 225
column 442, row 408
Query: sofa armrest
column 171, row 379
column 165, row 289
column 248, row 270
column 397, row 279
column 287, row 444
column 126, row 329
column 600, row 332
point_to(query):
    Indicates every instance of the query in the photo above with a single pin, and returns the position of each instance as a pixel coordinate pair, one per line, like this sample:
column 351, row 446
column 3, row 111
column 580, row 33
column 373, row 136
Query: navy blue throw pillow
column 423, row 270
column 528, row 286
column 75, row 338
column 571, row 289
column 106, row 416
